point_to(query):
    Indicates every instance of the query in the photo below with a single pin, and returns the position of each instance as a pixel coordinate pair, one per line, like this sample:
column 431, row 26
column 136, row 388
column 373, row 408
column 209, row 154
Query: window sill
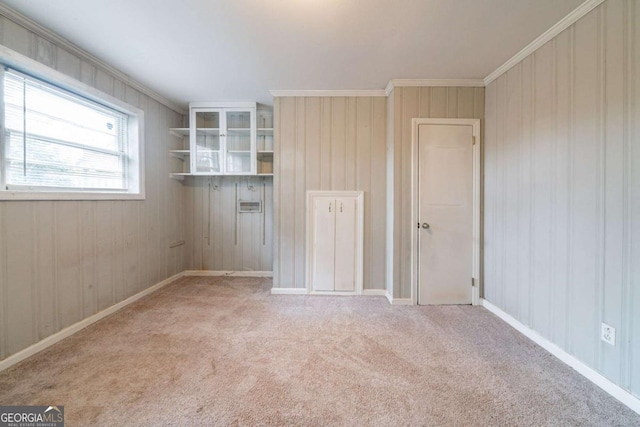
column 79, row 196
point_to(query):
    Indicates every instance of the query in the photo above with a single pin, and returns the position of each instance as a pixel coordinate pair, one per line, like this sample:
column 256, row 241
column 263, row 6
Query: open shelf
column 180, row 154
column 179, row 132
column 179, row 175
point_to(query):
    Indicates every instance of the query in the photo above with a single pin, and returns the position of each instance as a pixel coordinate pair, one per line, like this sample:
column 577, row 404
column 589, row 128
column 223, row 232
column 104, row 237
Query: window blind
column 58, row 140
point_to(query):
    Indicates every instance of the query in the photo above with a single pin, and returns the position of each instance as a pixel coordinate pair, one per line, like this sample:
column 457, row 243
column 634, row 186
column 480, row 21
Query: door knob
column 425, row 226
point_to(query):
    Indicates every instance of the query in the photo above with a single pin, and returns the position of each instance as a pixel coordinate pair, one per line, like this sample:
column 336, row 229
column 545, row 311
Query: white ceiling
column 199, row 50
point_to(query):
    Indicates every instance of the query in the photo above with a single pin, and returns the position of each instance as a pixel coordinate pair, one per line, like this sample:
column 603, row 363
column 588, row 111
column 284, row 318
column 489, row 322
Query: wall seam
column 503, row 144
column 295, row 186
column 79, row 227
column 532, row 201
column 571, row 183
column 601, row 175
column 553, row 193
column 629, row 26
column 402, row 267
column 519, row 192
column 95, row 257
column 35, row 290
column 331, row 143
column 369, row 198
column 5, row 282
column 346, row 144
column 56, row 301
column 280, row 114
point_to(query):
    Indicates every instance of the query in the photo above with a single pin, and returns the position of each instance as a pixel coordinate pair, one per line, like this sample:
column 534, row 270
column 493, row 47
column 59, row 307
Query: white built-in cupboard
column 225, row 139
column 335, row 241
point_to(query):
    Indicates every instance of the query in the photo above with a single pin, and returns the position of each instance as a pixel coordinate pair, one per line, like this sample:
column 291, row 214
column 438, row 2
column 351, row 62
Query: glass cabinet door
column 206, row 148
column 238, row 152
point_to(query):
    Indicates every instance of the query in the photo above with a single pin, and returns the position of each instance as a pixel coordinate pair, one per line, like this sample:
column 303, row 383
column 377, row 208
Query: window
column 56, row 141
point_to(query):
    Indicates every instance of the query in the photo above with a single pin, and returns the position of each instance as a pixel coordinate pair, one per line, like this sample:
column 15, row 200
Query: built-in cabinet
column 334, row 241
column 225, row 139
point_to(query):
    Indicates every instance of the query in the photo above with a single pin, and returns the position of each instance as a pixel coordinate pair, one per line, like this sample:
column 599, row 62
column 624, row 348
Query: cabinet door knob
column 425, row 226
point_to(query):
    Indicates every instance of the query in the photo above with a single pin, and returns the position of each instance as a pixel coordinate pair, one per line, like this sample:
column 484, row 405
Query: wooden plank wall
column 328, row 144
column 218, row 237
column 405, row 104
column 562, row 213
column 63, row 261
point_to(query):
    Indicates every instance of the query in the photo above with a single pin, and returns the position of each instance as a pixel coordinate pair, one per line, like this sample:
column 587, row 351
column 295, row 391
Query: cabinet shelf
column 180, row 154
column 179, row 132
column 179, row 176
column 215, row 132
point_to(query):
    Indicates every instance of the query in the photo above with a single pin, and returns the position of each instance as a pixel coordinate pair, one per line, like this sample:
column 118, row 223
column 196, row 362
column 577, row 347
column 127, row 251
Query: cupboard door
column 323, row 256
column 346, row 244
column 239, row 150
column 205, row 141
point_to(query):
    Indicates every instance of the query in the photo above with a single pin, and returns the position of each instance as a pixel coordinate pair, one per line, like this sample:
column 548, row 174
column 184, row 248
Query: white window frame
column 135, row 149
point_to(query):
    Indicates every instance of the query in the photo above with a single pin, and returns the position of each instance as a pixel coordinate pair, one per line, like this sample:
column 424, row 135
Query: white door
column 324, row 231
column 346, row 244
column 445, row 235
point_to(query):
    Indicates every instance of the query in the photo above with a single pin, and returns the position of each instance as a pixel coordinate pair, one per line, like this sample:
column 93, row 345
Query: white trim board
column 589, row 373
column 214, row 273
column 49, row 35
column 398, row 301
column 289, row 291
column 70, row 330
column 559, row 27
column 393, row 83
column 374, row 292
column 380, row 92
column 304, row 291
column 327, row 93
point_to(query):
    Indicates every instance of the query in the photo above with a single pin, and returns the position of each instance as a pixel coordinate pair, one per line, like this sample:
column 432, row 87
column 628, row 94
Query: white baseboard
column 589, row 373
column 374, row 292
column 212, row 273
column 398, row 301
column 289, row 291
column 70, row 330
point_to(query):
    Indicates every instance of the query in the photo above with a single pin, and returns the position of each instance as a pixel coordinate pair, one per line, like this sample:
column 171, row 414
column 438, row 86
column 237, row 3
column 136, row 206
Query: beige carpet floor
column 223, row 351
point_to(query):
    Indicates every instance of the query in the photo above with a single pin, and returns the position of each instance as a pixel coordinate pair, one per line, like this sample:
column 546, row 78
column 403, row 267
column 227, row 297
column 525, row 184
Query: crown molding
column 393, row 83
column 59, row 41
column 326, row 93
column 552, row 32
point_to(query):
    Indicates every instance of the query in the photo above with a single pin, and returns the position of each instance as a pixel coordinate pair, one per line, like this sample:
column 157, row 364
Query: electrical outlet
column 608, row 334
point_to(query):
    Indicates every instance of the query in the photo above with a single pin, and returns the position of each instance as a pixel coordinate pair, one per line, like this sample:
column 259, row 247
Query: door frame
column 415, row 205
column 359, row 195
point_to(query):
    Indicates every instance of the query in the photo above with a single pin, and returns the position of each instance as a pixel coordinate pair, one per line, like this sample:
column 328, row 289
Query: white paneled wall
column 218, row 237
column 62, row 261
column 562, row 212
column 328, row 144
